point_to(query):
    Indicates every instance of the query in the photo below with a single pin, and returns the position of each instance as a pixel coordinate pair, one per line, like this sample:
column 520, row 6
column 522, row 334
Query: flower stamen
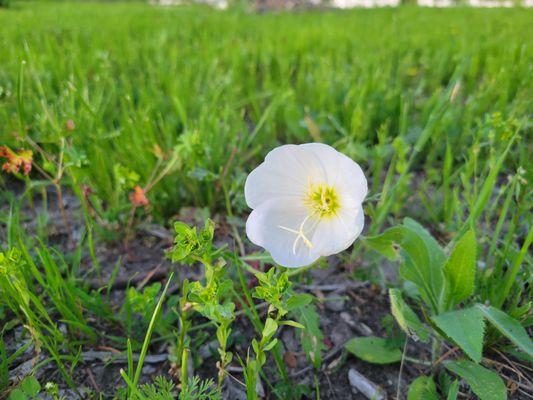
column 323, row 200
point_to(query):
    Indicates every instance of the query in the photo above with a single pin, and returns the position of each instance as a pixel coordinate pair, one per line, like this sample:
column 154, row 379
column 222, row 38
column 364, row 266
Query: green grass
column 435, row 105
column 133, row 76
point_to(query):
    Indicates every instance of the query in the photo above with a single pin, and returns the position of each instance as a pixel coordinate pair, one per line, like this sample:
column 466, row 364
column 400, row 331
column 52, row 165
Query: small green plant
column 18, row 279
column 445, row 285
column 138, row 306
column 197, row 389
column 161, row 389
column 164, row 389
column 29, row 388
column 6, row 360
column 212, row 299
column 132, row 375
column 274, row 288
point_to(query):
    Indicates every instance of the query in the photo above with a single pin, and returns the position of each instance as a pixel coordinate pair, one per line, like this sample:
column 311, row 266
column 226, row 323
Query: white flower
column 307, row 203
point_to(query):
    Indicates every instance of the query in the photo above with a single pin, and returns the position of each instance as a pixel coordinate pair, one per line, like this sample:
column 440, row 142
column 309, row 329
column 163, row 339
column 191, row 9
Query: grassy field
column 182, row 103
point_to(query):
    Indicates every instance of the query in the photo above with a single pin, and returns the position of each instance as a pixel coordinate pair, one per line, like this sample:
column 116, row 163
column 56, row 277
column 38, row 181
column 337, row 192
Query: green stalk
column 20, row 99
column 151, row 326
column 248, row 304
column 501, row 220
column 446, row 174
column 513, row 271
column 183, row 373
column 435, row 349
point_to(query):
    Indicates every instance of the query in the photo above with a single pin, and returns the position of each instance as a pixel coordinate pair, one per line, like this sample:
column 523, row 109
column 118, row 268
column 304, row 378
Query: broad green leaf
column 509, row 327
column 436, row 254
column 419, row 269
column 426, row 265
column 460, row 270
column 519, row 355
column 270, row 345
column 424, row 259
column 422, row 388
column 465, row 328
column 312, row 336
column 453, row 391
column 298, row 300
column 374, row 350
column 17, row 394
column 270, row 328
column 406, row 318
column 30, row 386
column 486, row 384
column 383, row 244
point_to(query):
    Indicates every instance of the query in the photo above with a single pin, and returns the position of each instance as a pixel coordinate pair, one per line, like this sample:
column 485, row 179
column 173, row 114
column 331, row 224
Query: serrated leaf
column 406, row 318
column 466, row 328
column 424, row 262
column 373, row 349
column 423, row 258
column 312, row 336
column 509, row 327
column 460, row 269
column 436, row 254
column 486, row 384
column 422, row 388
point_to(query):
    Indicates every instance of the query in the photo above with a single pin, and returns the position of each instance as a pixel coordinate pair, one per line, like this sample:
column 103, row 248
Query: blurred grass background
column 432, row 94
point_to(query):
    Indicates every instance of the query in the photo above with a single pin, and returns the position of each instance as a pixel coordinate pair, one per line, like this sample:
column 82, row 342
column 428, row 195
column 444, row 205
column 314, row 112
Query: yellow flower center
column 323, row 200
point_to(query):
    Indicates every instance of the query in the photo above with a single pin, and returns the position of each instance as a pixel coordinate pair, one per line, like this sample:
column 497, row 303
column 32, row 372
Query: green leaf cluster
column 442, row 282
column 212, row 299
column 190, row 245
column 275, row 289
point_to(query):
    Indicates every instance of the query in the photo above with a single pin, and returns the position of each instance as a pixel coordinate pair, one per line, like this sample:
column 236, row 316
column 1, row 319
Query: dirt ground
column 347, row 308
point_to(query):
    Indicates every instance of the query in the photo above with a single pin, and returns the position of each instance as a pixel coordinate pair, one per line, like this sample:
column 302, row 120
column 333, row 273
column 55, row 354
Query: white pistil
column 299, row 235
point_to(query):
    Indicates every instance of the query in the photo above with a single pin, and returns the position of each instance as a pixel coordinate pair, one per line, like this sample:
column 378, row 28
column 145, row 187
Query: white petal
column 327, row 158
column 351, row 180
column 264, row 228
column 340, row 171
column 284, row 173
column 334, row 235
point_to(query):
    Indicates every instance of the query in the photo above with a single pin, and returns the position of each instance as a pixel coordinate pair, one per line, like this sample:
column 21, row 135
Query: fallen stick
column 333, row 352
column 336, row 287
column 358, row 326
column 365, row 386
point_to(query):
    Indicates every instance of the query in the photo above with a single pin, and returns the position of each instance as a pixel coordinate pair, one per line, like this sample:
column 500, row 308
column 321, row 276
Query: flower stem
column 183, row 373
